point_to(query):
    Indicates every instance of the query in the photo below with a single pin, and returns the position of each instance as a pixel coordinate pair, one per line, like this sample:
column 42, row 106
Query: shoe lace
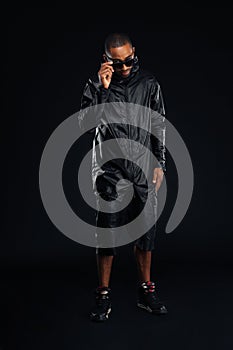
column 102, row 300
column 150, row 292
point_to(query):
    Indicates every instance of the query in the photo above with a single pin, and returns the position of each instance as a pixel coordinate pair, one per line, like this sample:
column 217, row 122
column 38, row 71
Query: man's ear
column 133, row 48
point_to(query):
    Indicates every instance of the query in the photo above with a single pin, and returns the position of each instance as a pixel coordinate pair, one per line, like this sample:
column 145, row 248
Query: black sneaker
column 102, row 308
column 148, row 299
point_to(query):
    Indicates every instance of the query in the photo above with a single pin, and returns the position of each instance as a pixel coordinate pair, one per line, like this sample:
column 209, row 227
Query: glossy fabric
column 128, row 110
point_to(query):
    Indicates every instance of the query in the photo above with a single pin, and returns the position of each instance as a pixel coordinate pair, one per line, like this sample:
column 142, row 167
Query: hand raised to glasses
column 105, row 73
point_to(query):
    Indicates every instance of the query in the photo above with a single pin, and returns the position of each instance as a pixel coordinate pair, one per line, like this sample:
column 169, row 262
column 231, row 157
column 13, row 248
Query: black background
column 47, row 279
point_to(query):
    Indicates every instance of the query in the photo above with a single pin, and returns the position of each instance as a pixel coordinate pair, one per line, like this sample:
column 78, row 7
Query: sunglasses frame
column 119, row 64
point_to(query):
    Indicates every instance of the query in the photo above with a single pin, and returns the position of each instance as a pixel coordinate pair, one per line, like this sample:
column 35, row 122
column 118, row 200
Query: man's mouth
column 125, row 72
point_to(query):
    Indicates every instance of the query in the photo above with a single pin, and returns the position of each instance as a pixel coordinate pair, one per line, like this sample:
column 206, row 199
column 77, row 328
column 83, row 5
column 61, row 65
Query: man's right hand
column 105, row 73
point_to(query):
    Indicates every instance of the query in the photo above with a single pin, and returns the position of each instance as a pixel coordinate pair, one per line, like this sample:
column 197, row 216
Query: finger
column 108, row 64
column 106, row 70
column 107, row 74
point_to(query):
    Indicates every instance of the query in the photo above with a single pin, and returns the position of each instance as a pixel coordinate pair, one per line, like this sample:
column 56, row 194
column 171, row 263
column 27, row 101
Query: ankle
column 148, row 286
column 103, row 289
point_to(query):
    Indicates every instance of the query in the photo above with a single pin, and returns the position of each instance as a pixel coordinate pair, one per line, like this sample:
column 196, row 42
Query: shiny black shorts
column 115, row 194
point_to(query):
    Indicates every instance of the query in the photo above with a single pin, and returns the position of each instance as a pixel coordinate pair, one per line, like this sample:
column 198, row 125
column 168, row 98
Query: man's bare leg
column 103, row 306
column 144, row 300
column 104, row 266
column 143, row 260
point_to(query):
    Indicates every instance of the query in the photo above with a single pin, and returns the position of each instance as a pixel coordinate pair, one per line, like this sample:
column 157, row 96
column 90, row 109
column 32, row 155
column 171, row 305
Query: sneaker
column 148, row 299
column 102, row 306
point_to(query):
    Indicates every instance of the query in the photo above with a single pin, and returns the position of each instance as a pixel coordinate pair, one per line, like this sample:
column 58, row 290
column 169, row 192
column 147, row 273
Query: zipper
column 128, row 117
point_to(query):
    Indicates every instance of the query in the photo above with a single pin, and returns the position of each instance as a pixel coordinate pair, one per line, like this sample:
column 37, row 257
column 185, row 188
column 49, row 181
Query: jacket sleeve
column 93, row 94
column 158, row 126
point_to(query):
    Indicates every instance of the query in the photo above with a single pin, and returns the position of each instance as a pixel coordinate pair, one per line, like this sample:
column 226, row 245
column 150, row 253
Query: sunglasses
column 119, row 64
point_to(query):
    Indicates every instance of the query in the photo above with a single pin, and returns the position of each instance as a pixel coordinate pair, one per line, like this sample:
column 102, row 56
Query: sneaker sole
column 102, row 318
column 148, row 309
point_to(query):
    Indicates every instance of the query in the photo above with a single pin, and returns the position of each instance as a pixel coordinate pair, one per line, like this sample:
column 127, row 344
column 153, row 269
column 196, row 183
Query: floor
column 47, row 307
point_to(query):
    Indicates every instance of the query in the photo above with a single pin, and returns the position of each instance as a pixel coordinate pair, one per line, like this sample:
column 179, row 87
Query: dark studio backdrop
column 47, row 278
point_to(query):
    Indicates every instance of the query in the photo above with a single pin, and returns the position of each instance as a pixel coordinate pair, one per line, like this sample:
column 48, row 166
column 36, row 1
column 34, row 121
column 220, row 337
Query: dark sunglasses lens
column 129, row 63
column 119, row 65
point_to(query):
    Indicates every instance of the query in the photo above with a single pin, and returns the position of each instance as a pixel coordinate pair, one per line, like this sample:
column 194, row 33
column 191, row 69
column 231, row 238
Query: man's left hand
column 158, row 177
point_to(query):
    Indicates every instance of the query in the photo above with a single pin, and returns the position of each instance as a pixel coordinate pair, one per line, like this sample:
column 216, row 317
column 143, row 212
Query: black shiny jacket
column 136, row 100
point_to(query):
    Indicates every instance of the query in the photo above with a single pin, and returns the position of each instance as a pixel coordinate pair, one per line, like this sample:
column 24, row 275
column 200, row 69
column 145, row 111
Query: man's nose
column 124, row 67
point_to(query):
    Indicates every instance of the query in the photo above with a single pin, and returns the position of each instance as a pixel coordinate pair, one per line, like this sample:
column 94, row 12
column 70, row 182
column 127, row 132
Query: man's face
column 122, row 59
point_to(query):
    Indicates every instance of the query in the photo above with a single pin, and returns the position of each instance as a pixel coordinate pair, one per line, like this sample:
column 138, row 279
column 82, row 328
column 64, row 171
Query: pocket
column 105, row 189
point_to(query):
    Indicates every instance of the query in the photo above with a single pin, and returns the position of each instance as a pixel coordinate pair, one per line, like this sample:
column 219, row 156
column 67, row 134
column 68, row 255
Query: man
column 125, row 87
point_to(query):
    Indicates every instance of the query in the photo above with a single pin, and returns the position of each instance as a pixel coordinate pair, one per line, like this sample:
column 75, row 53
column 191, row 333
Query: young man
column 121, row 82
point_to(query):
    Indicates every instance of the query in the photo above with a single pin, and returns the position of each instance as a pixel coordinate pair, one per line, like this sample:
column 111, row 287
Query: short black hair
column 116, row 40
